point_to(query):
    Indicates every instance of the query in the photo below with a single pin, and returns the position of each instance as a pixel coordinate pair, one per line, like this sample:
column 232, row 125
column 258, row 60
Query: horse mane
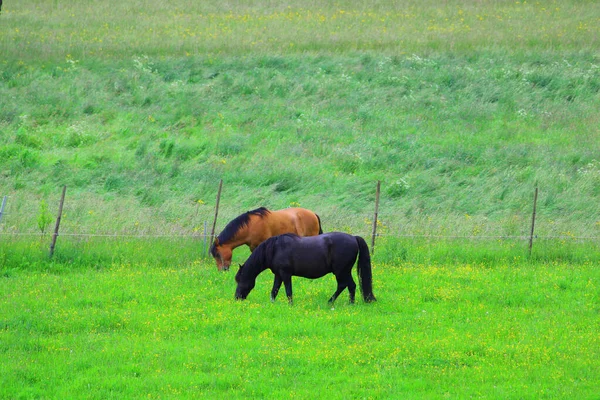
column 257, row 257
column 232, row 228
column 290, row 234
column 263, row 254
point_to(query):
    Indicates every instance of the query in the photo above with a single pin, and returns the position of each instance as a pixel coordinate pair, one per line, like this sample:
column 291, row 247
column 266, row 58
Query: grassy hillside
column 41, row 30
column 459, row 109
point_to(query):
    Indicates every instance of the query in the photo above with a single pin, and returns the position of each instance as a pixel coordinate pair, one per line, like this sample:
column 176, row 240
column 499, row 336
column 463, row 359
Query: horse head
column 244, row 285
column 222, row 255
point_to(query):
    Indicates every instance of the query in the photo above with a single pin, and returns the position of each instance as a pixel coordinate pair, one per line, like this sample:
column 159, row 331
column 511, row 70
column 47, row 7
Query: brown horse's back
column 300, row 221
column 303, row 222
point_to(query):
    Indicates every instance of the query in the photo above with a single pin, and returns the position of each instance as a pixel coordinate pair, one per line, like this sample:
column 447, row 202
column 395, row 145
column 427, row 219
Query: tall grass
column 458, row 142
column 141, row 130
column 41, row 30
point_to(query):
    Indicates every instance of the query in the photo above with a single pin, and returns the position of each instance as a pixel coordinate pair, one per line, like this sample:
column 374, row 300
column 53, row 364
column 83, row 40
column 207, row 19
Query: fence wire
column 356, row 224
column 364, row 234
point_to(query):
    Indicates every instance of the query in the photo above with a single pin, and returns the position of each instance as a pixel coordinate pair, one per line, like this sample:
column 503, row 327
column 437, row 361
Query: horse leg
column 341, row 285
column 287, row 282
column 344, row 283
column 276, row 285
column 339, row 290
column 351, row 289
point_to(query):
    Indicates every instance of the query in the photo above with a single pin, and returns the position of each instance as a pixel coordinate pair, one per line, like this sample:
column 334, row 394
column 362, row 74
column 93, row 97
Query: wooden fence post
column 375, row 217
column 60, row 208
column 212, row 232
column 535, row 196
column 2, row 207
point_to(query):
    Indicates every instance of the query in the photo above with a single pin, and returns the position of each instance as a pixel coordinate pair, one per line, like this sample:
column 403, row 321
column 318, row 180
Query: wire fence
column 364, row 234
column 16, row 216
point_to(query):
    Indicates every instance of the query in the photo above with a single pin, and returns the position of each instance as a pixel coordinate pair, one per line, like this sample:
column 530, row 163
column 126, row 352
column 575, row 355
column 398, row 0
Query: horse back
column 296, row 220
column 299, row 221
column 315, row 256
column 308, row 257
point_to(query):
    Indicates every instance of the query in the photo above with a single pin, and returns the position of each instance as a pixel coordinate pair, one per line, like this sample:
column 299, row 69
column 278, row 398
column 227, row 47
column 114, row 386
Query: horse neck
column 255, row 264
column 240, row 238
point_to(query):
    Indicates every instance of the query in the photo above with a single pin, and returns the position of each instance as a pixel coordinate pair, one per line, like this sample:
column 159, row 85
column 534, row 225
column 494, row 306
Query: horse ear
column 241, row 266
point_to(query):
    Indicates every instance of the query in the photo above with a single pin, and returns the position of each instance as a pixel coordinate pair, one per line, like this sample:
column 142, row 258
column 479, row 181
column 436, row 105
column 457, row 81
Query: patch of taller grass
column 453, row 135
column 116, row 30
column 96, row 253
column 390, row 251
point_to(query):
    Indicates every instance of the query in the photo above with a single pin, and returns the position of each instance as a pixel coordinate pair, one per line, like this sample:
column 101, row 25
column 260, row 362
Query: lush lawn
column 517, row 330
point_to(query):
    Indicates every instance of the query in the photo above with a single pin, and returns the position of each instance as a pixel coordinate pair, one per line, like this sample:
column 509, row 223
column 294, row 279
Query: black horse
column 309, row 257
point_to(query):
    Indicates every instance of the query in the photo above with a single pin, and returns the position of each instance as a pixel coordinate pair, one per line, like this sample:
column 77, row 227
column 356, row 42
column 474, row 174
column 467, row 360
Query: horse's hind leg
column 339, row 290
column 351, row 289
column 343, row 283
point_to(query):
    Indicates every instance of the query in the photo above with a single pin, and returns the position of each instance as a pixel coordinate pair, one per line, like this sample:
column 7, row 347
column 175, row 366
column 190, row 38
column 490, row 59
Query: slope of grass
column 447, row 136
column 460, row 109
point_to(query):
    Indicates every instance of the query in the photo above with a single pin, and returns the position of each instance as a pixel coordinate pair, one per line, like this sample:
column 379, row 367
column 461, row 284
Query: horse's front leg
column 276, row 285
column 287, row 282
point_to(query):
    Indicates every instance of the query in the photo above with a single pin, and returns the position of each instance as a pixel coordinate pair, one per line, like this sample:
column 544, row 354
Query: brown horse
column 254, row 227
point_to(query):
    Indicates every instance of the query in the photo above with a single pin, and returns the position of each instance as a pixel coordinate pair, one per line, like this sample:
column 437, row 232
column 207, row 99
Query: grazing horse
column 309, row 257
column 254, row 227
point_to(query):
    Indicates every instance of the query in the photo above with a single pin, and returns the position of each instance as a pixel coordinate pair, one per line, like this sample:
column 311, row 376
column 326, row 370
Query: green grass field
column 164, row 325
column 459, row 108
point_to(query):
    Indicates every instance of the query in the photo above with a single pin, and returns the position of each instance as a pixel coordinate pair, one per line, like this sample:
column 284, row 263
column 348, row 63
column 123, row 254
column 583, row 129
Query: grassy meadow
column 459, row 108
column 155, row 324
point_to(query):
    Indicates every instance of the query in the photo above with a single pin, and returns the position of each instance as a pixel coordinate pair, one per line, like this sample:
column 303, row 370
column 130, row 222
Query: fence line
column 109, row 235
column 373, row 234
column 393, row 235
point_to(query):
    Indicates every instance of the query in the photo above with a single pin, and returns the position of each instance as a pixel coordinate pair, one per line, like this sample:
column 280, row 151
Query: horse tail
column 365, row 278
column 320, row 227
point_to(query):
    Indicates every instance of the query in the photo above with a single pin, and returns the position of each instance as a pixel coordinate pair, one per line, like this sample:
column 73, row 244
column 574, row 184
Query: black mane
column 232, row 228
column 260, row 258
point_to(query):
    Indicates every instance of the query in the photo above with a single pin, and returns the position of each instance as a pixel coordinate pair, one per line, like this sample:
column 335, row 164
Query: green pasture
column 459, row 108
column 157, row 324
